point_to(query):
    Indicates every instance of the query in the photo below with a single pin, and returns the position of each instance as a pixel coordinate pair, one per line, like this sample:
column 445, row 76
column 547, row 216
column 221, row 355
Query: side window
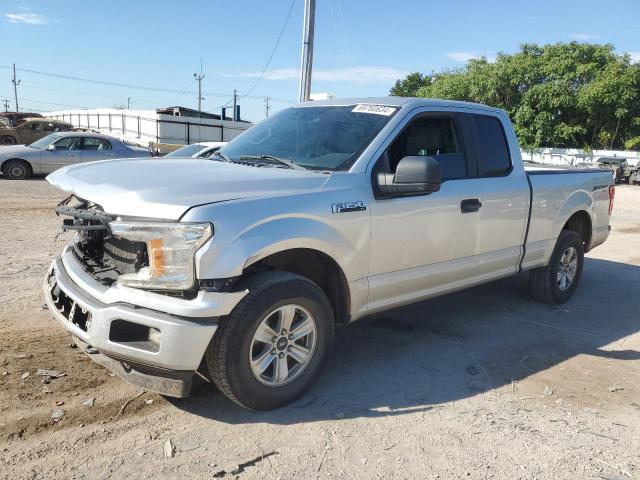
column 432, row 136
column 491, row 147
column 49, row 127
column 91, row 143
column 36, row 127
column 68, row 143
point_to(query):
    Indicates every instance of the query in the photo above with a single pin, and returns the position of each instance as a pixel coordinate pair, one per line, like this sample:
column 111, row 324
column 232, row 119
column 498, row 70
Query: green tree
column 409, row 86
column 561, row 95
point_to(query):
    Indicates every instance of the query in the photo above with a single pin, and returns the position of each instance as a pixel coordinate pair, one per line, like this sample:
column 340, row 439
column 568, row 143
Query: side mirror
column 51, row 148
column 415, row 175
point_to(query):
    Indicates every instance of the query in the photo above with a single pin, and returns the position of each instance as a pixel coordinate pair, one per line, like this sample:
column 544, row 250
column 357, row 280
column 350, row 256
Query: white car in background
column 197, row 150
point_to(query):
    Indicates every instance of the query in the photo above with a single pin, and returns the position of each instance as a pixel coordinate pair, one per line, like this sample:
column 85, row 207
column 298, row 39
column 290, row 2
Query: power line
column 135, row 86
column 32, row 100
column 275, row 47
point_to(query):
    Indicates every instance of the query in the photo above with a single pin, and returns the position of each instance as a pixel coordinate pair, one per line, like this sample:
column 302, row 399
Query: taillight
column 612, row 194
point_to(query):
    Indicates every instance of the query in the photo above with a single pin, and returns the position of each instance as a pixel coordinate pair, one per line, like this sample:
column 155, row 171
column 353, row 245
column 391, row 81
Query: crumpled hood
column 167, row 188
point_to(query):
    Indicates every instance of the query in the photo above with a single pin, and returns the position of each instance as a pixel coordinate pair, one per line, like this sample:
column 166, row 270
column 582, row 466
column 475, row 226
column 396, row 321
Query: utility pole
column 267, row 107
column 128, row 102
column 199, row 78
column 6, row 104
column 15, row 85
column 235, row 105
column 306, row 62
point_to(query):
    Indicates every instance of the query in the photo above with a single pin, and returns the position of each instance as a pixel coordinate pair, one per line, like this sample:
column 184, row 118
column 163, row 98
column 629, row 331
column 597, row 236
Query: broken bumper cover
column 151, row 340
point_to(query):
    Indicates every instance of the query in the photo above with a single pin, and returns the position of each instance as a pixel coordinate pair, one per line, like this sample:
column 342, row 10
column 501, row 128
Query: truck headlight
column 170, row 248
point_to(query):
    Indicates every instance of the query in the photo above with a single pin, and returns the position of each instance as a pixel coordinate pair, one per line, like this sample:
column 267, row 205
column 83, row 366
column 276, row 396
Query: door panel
column 502, row 222
column 67, row 152
column 410, row 233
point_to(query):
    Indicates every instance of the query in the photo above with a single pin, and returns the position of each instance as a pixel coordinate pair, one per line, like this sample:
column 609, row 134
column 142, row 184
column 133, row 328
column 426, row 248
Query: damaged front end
column 103, row 255
column 153, row 338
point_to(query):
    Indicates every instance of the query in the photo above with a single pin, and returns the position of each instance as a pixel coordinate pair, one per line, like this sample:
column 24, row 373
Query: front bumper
column 114, row 322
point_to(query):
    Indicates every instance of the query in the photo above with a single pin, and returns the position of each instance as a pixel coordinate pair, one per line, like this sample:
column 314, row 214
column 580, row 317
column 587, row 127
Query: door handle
column 470, row 205
column 72, row 154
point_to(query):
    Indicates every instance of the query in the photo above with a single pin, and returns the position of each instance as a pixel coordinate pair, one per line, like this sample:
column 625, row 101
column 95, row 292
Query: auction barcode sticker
column 375, row 109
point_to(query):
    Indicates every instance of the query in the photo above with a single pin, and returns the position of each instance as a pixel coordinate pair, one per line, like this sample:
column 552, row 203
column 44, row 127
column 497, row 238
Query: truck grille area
column 69, row 309
column 106, row 257
column 101, row 254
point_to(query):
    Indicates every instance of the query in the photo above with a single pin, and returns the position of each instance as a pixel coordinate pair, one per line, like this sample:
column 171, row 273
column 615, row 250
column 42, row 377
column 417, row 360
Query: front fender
column 280, row 234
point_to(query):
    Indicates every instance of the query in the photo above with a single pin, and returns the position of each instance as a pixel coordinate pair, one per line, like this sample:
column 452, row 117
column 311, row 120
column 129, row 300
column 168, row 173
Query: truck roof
column 402, row 102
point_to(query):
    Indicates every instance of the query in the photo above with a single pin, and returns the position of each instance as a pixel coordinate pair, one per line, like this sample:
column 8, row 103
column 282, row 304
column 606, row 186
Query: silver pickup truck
column 238, row 268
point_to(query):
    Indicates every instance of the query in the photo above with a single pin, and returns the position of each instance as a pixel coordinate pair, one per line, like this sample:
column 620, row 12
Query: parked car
column 320, row 215
column 57, row 150
column 197, row 150
column 620, row 168
column 14, row 117
column 31, row 129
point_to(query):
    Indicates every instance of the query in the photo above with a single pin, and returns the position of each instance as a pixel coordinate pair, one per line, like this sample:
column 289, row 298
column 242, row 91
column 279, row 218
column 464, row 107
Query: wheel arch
column 580, row 222
column 317, row 266
column 577, row 214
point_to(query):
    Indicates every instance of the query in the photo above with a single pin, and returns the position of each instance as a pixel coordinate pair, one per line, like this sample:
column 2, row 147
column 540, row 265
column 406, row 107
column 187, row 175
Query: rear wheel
column 16, row 170
column 557, row 282
column 271, row 349
column 7, row 140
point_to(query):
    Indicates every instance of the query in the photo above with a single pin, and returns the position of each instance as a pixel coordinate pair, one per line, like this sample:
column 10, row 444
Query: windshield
column 44, row 142
column 186, row 151
column 319, row 138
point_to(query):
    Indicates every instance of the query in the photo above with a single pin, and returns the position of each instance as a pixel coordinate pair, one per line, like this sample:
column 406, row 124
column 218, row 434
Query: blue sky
column 361, row 46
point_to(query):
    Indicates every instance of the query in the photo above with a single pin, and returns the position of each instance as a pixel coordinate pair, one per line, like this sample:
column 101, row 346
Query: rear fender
column 576, row 202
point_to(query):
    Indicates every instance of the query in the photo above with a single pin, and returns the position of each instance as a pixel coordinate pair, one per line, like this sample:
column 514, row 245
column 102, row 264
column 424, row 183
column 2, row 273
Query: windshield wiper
column 271, row 158
column 222, row 156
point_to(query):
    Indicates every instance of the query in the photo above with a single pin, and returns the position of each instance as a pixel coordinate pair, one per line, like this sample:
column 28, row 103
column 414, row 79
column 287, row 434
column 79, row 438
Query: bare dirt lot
column 484, row 383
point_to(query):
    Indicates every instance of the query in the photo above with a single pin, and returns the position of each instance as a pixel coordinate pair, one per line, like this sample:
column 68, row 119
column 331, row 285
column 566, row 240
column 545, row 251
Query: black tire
column 8, row 140
column 16, row 170
column 543, row 282
column 227, row 356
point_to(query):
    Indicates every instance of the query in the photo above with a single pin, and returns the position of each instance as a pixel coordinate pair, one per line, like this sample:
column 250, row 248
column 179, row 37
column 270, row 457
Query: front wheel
column 8, row 140
column 557, row 282
column 271, row 349
column 16, row 170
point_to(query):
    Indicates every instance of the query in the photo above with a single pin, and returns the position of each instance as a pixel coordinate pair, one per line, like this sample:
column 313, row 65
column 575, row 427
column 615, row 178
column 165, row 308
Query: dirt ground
column 484, row 383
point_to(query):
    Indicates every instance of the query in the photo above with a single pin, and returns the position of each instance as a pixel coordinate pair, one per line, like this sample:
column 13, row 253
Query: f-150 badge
column 348, row 207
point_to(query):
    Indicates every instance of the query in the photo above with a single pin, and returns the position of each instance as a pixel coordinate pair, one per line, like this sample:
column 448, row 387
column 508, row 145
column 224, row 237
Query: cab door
column 505, row 195
column 469, row 232
column 423, row 244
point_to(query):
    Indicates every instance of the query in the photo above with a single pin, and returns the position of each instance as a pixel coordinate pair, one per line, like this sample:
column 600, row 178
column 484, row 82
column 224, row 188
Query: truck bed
column 556, row 193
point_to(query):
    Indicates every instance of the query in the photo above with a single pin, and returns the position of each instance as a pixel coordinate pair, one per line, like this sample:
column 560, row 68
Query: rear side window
column 491, row 147
column 91, row 143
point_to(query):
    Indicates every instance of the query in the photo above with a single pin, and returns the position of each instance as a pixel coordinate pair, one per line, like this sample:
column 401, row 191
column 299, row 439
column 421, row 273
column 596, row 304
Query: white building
column 172, row 125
